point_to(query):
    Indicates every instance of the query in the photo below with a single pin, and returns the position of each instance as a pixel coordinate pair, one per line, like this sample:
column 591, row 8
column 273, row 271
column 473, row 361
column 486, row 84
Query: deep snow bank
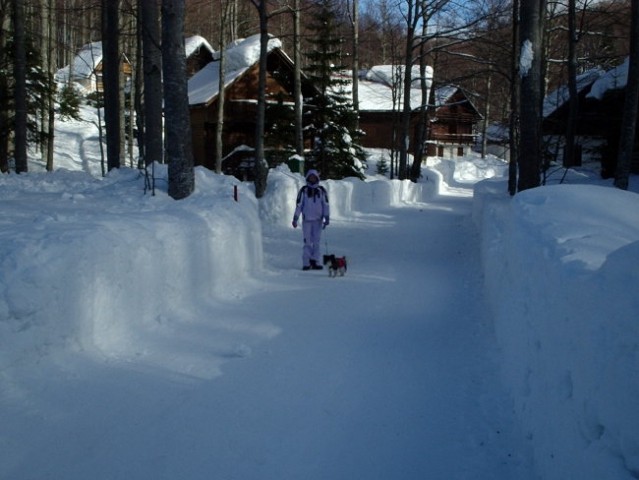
column 94, row 264
column 347, row 197
column 561, row 271
column 97, row 266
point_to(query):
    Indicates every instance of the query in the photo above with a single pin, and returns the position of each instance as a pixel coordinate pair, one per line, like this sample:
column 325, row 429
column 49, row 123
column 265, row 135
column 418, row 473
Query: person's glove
column 294, row 223
column 326, row 222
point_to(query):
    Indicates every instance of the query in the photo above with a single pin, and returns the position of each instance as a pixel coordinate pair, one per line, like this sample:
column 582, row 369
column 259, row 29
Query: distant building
column 452, row 125
column 86, row 70
column 451, row 120
column 240, row 107
column 601, row 98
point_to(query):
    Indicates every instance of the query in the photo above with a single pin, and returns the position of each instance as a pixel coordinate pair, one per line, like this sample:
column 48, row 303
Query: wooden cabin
column 601, row 98
column 240, row 103
column 452, row 125
column 381, row 103
column 199, row 53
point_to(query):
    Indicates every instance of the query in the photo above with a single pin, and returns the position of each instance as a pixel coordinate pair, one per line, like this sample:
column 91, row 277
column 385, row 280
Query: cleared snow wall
column 561, row 273
column 347, row 197
column 102, row 268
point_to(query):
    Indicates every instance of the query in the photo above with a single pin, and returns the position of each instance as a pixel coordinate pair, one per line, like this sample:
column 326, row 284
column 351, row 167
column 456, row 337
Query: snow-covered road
column 387, row 373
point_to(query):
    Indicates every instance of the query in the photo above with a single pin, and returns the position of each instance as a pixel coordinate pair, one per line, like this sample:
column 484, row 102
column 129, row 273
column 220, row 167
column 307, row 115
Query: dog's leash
column 326, row 252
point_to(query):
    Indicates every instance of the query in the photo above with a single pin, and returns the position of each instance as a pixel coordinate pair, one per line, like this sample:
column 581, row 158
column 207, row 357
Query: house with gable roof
column 451, row 123
column 381, row 101
column 86, row 68
column 240, row 102
column 199, row 53
column 601, row 98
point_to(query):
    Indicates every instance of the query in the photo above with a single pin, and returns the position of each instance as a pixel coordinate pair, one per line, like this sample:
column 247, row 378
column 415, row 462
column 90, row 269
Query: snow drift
column 96, row 270
column 560, row 271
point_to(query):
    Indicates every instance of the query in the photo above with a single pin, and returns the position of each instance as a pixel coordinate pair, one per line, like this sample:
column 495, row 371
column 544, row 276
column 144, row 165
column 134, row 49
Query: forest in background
column 475, row 45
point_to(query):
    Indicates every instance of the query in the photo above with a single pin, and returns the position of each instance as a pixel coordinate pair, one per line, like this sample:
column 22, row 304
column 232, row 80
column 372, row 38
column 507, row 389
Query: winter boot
column 315, row 266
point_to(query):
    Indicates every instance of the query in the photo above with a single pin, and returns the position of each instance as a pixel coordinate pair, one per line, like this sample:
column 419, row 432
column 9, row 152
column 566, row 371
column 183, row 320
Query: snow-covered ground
column 474, row 336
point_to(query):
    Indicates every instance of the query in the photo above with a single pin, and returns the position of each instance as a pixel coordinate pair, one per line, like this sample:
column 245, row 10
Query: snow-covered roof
column 194, row 43
column 376, row 93
column 87, row 59
column 238, row 57
column 559, row 97
column 611, row 80
column 443, row 94
column 392, row 74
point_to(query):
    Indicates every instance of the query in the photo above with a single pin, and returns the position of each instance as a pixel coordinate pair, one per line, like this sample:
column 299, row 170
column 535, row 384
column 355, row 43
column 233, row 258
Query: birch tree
column 225, row 13
column 20, row 88
column 355, row 55
column 297, row 73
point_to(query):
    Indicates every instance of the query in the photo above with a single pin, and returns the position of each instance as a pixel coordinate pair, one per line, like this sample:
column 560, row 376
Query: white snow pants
column 312, row 230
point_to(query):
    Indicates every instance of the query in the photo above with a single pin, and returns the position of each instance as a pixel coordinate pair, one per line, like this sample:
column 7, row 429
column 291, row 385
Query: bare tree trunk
column 299, row 101
column 48, row 105
column 4, row 91
column 20, row 88
column 176, row 101
column 355, row 25
column 261, row 165
column 139, row 89
column 484, row 133
column 219, row 130
column 111, row 80
column 129, row 47
column 514, row 104
column 571, row 126
column 629, row 122
column 427, row 94
column 412, row 14
column 531, row 42
column 152, row 59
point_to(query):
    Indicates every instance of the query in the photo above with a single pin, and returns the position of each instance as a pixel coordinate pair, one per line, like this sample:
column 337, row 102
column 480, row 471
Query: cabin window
column 460, row 151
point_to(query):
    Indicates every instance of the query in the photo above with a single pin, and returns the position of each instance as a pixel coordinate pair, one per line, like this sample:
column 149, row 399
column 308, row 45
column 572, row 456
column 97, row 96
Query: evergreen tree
column 332, row 118
column 279, row 133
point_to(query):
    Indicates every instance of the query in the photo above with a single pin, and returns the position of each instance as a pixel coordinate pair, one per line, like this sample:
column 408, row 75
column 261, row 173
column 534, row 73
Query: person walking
column 312, row 205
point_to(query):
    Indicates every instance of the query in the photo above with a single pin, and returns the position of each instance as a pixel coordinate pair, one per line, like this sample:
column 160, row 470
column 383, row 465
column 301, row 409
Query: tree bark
column 51, row 66
column 179, row 146
column 20, row 88
column 631, row 105
column 514, row 103
column 297, row 72
column 356, row 59
column 531, row 42
column 261, row 165
column 4, row 90
column 573, row 102
column 152, row 59
column 404, row 146
column 111, row 80
column 219, row 130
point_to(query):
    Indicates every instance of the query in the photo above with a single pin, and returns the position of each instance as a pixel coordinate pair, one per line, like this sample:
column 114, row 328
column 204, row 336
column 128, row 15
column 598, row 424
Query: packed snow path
column 387, row 373
column 393, row 368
